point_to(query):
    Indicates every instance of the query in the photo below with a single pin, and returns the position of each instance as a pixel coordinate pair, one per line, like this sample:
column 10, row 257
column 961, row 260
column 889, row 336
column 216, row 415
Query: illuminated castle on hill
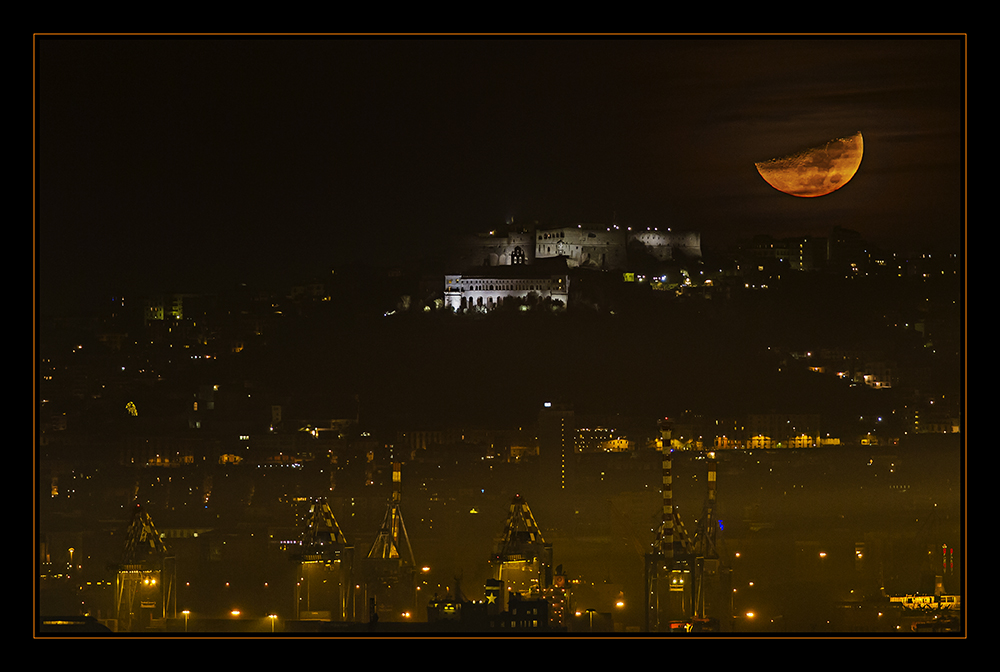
column 532, row 265
column 583, row 246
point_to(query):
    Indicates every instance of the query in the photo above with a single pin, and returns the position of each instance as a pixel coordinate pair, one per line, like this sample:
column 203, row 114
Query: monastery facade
column 488, row 290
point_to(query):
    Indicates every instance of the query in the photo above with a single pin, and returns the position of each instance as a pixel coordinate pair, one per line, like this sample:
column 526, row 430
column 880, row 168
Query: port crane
column 392, row 541
column 684, row 569
column 326, row 559
column 522, row 547
column 390, row 568
column 145, row 579
column 322, row 539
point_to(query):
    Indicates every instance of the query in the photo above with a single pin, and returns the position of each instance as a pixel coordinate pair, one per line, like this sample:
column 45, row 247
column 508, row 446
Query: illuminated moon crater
column 817, row 171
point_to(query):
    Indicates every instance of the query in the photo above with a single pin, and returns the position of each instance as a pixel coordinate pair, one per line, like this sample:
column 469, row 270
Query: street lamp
column 186, row 614
column 272, row 617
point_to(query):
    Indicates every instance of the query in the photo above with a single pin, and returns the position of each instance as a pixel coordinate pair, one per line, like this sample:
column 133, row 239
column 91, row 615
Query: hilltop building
column 518, row 285
column 532, row 266
column 582, row 246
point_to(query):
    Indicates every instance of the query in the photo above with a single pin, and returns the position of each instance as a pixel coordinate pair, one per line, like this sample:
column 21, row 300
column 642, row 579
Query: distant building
column 173, row 307
column 508, row 248
column 590, row 247
column 764, row 258
column 601, row 439
column 667, row 245
column 778, row 430
column 581, row 245
column 524, row 614
column 556, row 434
column 511, row 285
column 878, row 375
column 843, row 252
column 847, row 252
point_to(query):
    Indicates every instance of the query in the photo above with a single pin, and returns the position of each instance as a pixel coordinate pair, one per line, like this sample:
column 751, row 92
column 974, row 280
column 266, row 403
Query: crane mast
column 145, row 579
column 684, row 569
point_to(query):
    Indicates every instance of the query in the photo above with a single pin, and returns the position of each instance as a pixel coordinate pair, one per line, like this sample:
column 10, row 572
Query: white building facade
column 484, row 292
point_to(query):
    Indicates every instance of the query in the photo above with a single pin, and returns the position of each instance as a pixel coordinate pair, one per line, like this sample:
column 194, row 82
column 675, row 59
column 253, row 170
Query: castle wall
column 584, row 246
column 491, row 249
column 667, row 245
column 589, row 247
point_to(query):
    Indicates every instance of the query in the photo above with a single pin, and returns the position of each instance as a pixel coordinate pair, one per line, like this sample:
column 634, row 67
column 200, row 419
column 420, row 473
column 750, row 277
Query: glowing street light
column 272, row 617
column 186, row 613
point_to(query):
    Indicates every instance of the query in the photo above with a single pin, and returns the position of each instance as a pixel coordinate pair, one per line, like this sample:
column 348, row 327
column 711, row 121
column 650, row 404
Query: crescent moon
column 817, row 171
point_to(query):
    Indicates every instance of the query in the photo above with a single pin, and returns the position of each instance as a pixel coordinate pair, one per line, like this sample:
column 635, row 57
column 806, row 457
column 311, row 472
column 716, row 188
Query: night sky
column 171, row 164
